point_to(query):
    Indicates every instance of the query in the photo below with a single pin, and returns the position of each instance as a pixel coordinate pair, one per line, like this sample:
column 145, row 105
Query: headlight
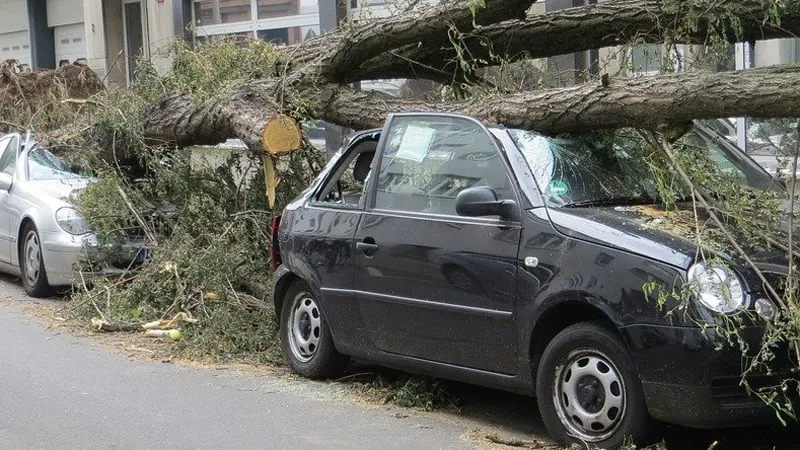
column 69, row 221
column 717, row 287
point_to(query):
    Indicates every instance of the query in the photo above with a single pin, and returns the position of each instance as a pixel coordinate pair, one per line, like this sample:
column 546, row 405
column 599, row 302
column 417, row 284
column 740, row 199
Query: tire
column 31, row 264
column 305, row 338
column 606, row 408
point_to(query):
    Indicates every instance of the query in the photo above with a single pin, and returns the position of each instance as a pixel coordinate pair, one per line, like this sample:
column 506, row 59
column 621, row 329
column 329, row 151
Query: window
column 277, row 21
column 268, row 9
column 9, row 158
column 616, row 166
column 429, row 161
column 278, row 36
column 213, row 12
column 3, row 144
column 646, row 58
column 43, row 165
column 346, row 187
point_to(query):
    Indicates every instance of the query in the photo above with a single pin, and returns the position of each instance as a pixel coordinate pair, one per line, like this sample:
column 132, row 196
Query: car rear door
column 323, row 232
column 432, row 284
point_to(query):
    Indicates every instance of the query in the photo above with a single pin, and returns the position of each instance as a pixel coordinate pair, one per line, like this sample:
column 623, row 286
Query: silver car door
column 9, row 146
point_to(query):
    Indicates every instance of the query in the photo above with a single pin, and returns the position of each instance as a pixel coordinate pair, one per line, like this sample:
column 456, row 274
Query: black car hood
column 634, row 229
column 643, row 230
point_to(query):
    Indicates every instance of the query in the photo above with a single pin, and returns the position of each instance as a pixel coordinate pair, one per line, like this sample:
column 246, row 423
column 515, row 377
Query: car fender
column 288, row 272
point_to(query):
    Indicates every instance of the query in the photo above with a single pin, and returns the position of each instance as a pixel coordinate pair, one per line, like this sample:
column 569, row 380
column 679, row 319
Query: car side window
column 427, row 161
column 9, row 156
column 4, row 145
column 346, row 186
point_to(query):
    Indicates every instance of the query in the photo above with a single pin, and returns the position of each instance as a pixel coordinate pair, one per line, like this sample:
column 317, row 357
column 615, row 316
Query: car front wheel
column 305, row 337
column 588, row 392
column 31, row 264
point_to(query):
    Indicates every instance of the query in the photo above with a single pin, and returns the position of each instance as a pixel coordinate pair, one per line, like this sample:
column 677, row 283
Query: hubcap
column 305, row 327
column 589, row 395
column 33, row 258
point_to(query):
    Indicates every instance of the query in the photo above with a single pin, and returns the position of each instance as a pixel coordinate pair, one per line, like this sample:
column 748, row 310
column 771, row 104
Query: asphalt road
column 58, row 391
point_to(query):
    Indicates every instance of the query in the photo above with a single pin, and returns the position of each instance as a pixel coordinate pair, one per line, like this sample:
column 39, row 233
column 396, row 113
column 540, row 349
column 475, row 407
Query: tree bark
column 353, row 45
column 605, row 24
column 645, row 102
column 242, row 113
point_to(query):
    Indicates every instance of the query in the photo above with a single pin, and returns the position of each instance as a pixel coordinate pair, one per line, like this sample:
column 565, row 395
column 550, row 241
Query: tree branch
column 353, row 44
column 606, row 24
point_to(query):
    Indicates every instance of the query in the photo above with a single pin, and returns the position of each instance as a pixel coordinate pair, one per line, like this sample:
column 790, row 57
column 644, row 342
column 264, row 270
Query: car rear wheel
column 588, row 392
column 31, row 264
column 305, row 338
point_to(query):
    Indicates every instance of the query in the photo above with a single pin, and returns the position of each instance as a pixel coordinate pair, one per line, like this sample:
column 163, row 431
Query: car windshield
column 618, row 167
column 43, row 165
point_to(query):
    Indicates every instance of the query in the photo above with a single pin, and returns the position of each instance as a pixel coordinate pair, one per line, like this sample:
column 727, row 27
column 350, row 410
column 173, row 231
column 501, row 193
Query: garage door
column 15, row 45
column 70, row 43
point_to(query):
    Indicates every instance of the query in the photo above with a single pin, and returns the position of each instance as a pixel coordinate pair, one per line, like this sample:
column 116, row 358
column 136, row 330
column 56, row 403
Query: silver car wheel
column 32, row 257
column 305, row 328
column 589, row 395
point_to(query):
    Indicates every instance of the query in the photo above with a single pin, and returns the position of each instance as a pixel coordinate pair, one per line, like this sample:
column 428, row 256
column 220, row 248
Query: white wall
column 775, row 51
column 95, row 36
column 13, row 15
column 70, row 42
column 160, row 31
column 64, row 12
column 15, row 46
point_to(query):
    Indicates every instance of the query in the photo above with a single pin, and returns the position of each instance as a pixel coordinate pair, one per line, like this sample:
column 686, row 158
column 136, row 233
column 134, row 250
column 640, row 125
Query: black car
column 505, row 258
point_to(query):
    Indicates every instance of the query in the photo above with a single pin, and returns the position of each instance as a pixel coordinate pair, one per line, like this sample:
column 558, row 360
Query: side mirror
column 482, row 201
column 6, row 181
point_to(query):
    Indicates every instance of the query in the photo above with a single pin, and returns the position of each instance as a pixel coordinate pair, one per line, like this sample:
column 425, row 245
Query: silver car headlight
column 717, row 287
column 70, row 221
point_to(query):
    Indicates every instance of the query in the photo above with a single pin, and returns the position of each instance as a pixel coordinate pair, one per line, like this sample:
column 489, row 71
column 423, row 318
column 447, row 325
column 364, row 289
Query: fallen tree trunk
column 606, row 24
column 242, row 113
column 645, row 102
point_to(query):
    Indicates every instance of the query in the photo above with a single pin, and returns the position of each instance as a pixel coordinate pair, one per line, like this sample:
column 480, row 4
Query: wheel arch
column 20, row 238
column 282, row 283
column 559, row 316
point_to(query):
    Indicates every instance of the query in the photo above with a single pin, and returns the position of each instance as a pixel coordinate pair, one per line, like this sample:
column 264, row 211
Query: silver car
column 42, row 237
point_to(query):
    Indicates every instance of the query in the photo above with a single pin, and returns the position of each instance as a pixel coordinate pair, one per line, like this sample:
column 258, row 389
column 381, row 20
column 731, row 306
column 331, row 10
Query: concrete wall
column 114, row 38
column 14, row 16
column 776, row 51
column 64, row 12
column 160, row 31
column 95, row 36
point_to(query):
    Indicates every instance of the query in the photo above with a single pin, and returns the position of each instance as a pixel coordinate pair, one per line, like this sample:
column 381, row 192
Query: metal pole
column 742, row 62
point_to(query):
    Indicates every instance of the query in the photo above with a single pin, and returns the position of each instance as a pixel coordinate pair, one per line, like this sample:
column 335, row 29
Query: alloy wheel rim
column 589, row 395
column 305, row 328
column 33, row 258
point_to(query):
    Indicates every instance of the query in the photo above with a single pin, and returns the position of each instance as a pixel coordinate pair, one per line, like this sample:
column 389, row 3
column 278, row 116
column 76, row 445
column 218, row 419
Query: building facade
column 111, row 35
column 107, row 35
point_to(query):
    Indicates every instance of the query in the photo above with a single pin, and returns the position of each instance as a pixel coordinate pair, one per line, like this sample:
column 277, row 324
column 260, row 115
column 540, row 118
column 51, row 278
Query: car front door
column 432, row 284
column 9, row 146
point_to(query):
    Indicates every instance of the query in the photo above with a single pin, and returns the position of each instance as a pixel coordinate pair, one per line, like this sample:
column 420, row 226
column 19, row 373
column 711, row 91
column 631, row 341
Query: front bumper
column 687, row 380
column 71, row 260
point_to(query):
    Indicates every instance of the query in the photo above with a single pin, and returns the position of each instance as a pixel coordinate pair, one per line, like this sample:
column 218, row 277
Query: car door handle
column 367, row 247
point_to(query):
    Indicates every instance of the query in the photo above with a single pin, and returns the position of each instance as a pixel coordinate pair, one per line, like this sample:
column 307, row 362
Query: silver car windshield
column 43, row 165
